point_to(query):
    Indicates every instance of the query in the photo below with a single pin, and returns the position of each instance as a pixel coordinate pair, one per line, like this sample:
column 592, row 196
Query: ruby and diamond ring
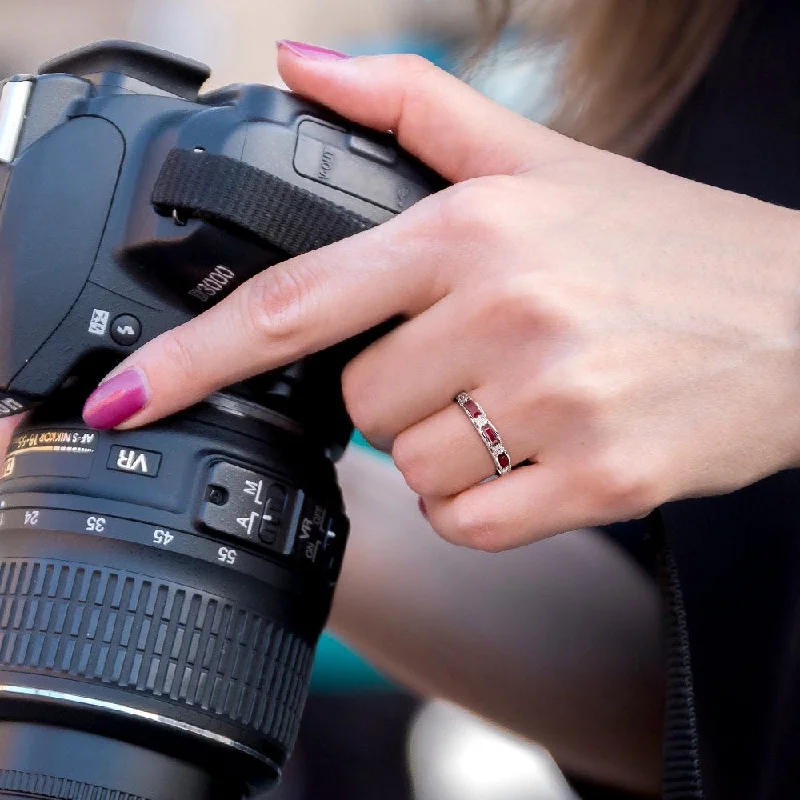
column 487, row 431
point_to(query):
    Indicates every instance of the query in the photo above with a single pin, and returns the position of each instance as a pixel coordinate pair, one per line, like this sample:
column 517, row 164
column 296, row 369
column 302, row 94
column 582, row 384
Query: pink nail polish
column 311, row 51
column 422, row 508
column 116, row 400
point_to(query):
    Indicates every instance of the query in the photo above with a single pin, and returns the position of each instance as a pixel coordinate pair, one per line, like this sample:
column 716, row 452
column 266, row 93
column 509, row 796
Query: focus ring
column 173, row 643
column 34, row 784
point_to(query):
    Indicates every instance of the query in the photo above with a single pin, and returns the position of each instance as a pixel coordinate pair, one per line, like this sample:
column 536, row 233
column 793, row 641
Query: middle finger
column 418, row 368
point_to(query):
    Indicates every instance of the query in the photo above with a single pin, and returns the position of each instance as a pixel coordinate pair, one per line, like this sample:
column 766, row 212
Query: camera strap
column 222, row 189
column 681, row 777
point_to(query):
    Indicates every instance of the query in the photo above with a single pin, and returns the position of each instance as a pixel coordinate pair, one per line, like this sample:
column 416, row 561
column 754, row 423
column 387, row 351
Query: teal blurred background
column 337, row 668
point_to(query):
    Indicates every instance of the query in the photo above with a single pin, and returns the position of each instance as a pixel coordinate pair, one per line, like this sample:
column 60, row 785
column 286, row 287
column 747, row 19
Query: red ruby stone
column 503, row 460
column 491, row 434
column 472, row 408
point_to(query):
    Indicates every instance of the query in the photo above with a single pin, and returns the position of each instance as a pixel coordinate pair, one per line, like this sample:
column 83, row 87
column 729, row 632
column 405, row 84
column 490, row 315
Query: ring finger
column 445, row 454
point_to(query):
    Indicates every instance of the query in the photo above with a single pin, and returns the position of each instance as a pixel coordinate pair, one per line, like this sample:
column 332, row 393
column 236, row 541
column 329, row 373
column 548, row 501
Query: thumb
column 441, row 120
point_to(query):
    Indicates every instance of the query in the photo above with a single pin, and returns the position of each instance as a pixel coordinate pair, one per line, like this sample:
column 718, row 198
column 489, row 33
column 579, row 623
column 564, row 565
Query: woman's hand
column 633, row 334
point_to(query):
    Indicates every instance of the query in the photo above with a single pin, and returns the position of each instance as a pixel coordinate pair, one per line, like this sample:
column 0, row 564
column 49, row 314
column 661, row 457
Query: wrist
column 785, row 289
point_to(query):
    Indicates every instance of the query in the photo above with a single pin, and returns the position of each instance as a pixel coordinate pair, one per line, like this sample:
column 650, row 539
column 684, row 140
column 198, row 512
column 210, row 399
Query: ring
column 488, row 433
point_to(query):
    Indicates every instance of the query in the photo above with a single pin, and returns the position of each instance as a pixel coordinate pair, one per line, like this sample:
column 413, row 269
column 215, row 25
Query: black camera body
column 163, row 589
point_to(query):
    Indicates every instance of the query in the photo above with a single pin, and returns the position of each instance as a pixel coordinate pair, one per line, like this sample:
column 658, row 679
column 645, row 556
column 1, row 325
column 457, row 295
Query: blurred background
column 236, row 37
column 362, row 737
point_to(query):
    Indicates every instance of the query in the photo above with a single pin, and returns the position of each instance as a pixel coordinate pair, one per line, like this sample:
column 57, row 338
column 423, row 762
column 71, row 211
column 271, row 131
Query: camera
column 162, row 590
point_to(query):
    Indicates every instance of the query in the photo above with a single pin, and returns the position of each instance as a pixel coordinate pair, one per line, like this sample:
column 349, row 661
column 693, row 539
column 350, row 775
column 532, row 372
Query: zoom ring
column 173, row 643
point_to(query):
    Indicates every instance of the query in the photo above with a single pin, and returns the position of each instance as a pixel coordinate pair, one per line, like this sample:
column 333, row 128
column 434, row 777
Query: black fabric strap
column 681, row 777
column 222, row 189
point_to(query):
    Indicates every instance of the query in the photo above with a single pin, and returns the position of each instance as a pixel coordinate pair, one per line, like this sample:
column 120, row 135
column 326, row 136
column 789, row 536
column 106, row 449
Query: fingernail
column 116, row 400
column 311, row 51
column 422, row 508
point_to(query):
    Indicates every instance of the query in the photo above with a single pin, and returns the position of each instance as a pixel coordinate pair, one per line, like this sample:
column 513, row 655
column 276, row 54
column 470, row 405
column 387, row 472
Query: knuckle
column 360, row 402
column 182, row 358
column 415, row 67
column 584, row 396
column 581, row 393
column 472, row 525
column 451, row 205
column 411, row 460
column 515, row 296
column 521, row 303
column 622, row 486
column 477, row 209
column 277, row 301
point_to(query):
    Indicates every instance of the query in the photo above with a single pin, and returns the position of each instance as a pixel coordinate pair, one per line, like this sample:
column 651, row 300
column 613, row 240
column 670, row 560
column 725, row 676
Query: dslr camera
column 162, row 590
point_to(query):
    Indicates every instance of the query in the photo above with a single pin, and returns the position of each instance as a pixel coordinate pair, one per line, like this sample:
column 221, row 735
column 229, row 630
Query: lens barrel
column 69, row 764
column 161, row 595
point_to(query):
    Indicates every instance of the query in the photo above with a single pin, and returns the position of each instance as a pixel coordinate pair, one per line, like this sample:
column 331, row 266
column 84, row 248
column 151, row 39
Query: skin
column 7, row 428
column 632, row 333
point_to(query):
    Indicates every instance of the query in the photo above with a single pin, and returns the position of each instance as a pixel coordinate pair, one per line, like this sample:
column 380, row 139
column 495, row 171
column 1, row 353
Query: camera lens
column 161, row 595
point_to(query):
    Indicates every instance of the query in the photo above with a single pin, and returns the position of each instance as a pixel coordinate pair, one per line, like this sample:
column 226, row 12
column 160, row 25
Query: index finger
column 286, row 312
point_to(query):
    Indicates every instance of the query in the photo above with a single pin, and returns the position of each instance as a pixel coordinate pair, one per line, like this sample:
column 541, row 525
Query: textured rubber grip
column 182, row 646
column 34, row 784
column 222, row 189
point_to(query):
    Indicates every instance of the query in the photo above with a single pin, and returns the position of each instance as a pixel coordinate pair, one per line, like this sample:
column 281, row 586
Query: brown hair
column 628, row 63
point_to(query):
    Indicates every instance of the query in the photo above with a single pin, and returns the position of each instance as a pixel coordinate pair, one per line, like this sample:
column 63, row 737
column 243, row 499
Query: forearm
column 558, row 641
